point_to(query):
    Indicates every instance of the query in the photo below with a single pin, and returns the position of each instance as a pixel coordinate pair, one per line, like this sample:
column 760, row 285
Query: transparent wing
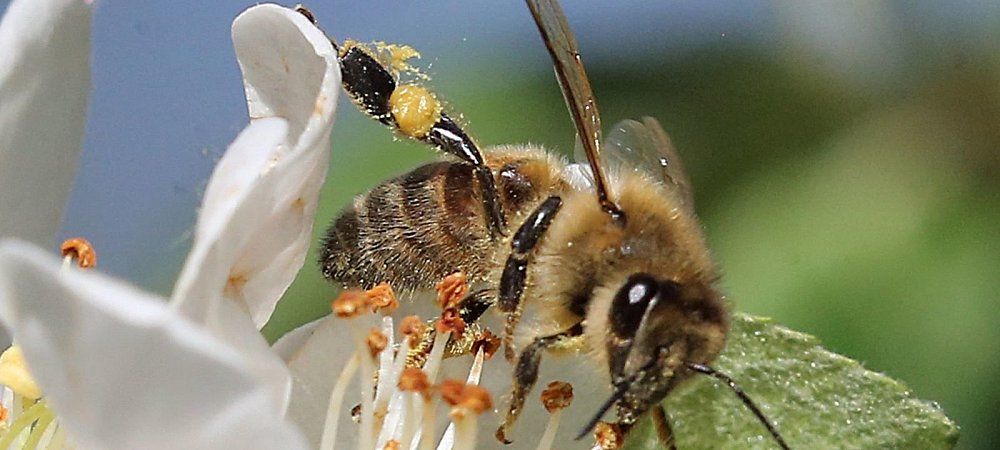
column 644, row 146
column 575, row 86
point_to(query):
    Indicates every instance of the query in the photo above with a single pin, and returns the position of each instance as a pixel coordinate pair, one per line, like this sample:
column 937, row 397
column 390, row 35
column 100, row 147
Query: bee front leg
column 515, row 271
column 526, row 373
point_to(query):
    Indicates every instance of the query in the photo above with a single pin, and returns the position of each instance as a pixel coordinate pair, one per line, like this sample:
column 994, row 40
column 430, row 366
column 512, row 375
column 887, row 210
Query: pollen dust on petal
column 235, row 284
column 320, row 107
column 299, row 205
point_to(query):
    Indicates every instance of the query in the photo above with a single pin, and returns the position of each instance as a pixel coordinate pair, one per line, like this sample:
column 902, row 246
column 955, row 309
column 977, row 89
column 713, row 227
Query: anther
column 382, row 298
column 376, row 342
column 450, row 322
column 81, row 251
column 414, row 329
column 350, row 304
column 451, row 290
column 465, row 399
column 488, row 342
column 415, row 380
column 557, row 395
column 609, row 436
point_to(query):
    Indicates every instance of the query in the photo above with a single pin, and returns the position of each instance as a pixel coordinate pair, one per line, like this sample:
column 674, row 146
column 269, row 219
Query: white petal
column 288, row 345
column 209, row 274
column 249, row 247
column 315, row 363
column 44, row 81
column 124, row 371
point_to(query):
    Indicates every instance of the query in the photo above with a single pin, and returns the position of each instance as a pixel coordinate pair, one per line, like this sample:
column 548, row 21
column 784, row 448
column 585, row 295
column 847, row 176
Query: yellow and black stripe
column 415, row 112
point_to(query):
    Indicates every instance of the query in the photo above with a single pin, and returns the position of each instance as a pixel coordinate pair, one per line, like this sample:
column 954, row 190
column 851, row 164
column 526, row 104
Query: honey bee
column 609, row 251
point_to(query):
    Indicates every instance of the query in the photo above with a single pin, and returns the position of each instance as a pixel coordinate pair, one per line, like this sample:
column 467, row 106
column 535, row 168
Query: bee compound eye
column 634, row 298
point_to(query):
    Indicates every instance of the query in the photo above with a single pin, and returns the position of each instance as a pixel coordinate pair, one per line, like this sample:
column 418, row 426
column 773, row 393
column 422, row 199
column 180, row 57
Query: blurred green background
column 862, row 208
column 844, row 155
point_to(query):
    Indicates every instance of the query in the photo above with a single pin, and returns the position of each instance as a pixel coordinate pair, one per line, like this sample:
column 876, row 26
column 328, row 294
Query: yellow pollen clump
column 415, row 109
column 81, row 251
column 400, row 55
column 15, row 375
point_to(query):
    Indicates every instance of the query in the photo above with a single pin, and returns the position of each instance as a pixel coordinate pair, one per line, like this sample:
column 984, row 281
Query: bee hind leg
column 526, row 373
column 416, row 113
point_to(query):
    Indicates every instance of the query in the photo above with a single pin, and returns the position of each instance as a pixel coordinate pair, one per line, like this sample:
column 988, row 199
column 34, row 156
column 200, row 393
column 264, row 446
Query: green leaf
column 814, row 397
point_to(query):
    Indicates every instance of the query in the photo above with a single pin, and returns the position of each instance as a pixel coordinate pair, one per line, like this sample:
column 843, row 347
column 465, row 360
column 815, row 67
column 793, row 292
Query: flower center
column 26, row 421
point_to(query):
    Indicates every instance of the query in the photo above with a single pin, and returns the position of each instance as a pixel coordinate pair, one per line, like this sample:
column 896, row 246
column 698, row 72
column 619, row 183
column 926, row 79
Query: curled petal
column 44, row 81
column 252, row 236
column 122, row 370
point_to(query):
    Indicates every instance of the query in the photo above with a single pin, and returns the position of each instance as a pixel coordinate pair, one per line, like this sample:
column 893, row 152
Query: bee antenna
column 706, row 370
column 617, row 395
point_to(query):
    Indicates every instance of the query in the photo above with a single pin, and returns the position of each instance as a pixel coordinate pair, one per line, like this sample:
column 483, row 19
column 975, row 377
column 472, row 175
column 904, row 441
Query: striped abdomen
column 413, row 230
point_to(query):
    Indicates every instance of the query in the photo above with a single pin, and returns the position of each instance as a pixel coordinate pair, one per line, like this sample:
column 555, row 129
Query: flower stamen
column 79, row 250
column 335, row 404
column 468, row 401
column 556, row 397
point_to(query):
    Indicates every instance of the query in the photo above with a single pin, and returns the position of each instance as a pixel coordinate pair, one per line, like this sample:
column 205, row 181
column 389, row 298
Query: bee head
column 655, row 327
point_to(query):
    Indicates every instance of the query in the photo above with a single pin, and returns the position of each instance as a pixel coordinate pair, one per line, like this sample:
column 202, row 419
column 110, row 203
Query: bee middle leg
column 376, row 91
column 526, row 373
column 515, row 270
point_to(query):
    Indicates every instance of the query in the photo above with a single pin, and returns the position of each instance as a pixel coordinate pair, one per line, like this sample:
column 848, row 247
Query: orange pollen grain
column 451, row 290
column 414, row 380
column 376, row 341
column 488, row 342
column 392, row 444
column 557, row 395
column 350, row 303
column 450, row 322
column 3, row 413
column 81, row 251
column 382, row 297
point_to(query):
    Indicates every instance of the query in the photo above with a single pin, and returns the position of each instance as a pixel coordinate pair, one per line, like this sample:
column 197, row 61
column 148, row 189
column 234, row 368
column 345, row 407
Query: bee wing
column 644, row 146
column 575, row 86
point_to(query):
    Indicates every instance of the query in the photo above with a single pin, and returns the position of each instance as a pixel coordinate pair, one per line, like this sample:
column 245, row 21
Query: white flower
column 120, row 367
column 44, row 79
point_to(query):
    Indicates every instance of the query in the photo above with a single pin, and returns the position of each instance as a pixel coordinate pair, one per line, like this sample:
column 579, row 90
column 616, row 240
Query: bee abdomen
column 410, row 231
